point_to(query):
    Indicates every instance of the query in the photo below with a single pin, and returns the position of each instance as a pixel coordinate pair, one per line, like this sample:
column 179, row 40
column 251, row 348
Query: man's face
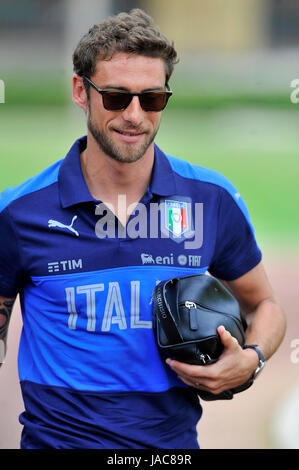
column 125, row 135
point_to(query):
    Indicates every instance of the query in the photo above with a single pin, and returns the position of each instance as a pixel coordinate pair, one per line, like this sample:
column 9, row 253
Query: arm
column 266, row 320
column 6, row 305
column 266, row 328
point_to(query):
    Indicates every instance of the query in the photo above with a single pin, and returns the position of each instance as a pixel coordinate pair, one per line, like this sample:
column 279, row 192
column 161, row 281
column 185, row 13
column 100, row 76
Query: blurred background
column 235, row 109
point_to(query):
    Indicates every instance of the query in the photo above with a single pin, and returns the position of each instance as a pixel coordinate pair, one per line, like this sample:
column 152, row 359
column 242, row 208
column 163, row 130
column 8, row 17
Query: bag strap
column 165, row 316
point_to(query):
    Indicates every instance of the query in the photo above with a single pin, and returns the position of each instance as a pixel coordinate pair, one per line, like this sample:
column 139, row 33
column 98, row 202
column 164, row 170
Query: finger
column 208, row 382
column 193, row 374
column 182, row 368
column 188, row 381
column 227, row 339
column 194, row 383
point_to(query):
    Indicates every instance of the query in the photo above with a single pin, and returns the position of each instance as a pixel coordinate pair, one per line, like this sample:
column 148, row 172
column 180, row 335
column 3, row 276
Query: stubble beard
column 127, row 153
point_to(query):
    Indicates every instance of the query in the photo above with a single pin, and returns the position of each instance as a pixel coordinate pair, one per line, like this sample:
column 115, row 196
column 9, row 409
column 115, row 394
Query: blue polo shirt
column 90, row 372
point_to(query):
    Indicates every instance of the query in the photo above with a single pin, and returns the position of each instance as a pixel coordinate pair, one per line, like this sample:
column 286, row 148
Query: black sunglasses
column 118, row 100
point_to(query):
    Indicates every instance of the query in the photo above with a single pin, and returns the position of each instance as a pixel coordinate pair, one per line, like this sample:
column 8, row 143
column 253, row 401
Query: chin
column 127, row 157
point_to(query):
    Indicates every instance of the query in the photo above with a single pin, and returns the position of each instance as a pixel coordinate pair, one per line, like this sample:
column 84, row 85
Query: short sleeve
column 236, row 250
column 10, row 266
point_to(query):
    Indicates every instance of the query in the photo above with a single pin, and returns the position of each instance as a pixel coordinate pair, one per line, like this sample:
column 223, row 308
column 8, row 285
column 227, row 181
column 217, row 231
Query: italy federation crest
column 176, row 219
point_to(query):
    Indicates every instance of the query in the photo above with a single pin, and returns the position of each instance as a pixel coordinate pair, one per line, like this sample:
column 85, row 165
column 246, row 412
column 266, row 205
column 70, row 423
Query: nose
column 134, row 113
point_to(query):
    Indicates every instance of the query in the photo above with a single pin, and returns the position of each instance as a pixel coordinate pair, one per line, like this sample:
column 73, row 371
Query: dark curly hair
column 134, row 32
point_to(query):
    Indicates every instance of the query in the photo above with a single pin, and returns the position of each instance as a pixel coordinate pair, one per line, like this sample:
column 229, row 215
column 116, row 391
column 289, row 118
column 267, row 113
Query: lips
column 129, row 136
column 129, row 133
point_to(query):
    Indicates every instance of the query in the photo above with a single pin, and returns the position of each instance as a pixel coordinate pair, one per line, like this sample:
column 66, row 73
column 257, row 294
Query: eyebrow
column 121, row 88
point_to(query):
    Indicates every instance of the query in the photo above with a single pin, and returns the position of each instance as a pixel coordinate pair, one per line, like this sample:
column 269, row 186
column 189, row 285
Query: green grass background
column 253, row 140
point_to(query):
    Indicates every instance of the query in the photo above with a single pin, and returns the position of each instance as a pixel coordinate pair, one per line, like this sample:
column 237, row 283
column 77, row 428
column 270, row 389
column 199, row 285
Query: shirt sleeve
column 10, row 266
column 236, row 250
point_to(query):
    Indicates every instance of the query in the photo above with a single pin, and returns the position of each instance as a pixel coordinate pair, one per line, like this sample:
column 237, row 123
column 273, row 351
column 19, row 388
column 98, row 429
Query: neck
column 107, row 178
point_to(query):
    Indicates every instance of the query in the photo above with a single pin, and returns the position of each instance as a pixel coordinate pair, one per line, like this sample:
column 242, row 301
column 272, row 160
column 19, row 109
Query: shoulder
column 217, row 182
column 199, row 173
column 35, row 183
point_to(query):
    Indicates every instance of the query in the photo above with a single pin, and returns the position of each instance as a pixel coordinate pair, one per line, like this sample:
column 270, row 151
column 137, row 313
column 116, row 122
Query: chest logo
column 176, row 219
column 55, row 223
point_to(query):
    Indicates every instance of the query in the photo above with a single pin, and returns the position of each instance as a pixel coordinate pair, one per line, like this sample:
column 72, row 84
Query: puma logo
column 54, row 223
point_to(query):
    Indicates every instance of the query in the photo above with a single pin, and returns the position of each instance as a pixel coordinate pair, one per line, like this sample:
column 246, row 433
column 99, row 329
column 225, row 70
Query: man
column 85, row 242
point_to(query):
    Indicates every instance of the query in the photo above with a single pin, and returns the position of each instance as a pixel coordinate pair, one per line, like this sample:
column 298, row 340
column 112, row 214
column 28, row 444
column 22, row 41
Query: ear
column 79, row 93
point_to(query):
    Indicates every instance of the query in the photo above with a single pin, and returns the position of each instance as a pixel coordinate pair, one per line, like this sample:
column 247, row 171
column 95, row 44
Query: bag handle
column 165, row 316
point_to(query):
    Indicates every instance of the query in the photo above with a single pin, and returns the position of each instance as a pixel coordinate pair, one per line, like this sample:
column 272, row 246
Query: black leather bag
column 187, row 313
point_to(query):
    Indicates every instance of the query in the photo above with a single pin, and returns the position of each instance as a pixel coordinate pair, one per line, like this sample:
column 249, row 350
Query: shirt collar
column 72, row 186
column 163, row 179
column 74, row 190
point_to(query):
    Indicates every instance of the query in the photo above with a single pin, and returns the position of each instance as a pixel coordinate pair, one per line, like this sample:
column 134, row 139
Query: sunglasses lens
column 116, row 100
column 149, row 101
column 154, row 100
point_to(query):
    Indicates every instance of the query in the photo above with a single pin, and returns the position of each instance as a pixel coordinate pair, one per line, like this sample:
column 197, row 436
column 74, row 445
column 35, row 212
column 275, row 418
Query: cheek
column 98, row 116
column 155, row 119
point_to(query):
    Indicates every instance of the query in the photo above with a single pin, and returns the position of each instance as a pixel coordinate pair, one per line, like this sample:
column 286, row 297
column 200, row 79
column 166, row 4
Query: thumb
column 227, row 339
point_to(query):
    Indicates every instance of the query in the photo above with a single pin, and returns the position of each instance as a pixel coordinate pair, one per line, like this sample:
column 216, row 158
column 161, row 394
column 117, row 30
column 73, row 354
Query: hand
column 233, row 368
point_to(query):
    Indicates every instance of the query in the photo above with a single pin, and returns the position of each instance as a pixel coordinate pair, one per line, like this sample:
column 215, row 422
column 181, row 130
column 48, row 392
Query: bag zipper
column 192, row 305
